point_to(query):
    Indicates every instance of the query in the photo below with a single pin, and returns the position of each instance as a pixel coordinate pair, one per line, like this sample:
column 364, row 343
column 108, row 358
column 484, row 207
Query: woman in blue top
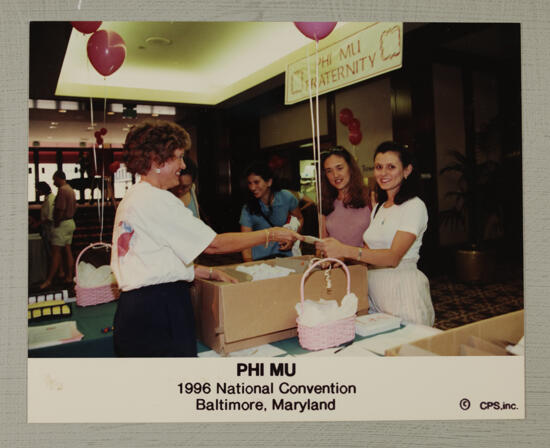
column 267, row 206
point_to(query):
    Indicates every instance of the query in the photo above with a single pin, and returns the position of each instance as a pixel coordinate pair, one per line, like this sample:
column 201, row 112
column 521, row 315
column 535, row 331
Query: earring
column 157, row 170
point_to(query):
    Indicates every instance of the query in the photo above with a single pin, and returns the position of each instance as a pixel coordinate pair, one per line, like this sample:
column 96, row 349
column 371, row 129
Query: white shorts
column 62, row 235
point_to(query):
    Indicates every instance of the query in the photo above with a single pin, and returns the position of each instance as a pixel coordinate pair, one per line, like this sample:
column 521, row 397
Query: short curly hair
column 153, row 141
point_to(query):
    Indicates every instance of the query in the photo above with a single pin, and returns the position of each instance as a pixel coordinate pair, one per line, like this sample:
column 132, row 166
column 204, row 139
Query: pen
column 343, row 346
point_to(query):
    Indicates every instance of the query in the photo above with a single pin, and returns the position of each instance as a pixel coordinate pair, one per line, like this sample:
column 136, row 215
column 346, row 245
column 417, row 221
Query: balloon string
column 319, row 212
column 314, row 142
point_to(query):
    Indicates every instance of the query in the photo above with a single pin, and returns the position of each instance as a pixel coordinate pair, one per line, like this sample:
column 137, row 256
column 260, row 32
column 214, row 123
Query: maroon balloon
column 97, row 134
column 346, row 115
column 315, row 30
column 99, row 141
column 106, row 51
column 87, row 27
column 355, row 137
column 354, row 124
column 113, row 167
column 103, row 131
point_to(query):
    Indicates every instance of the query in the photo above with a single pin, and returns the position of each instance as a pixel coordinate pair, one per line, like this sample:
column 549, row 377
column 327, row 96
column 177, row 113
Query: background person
column 393, row 240
column 186, row 190
column 346, row 207
column 267, row 206
column 62, row 231
column 46, row 213
column 155, row 241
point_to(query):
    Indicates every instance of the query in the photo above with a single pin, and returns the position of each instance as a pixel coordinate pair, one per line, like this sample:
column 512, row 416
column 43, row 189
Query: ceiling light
column 144, row 109
column 116, row 107
column 53, row 127
column 92, row 127
column 158, row 40
column 164, row 110
column 62, row 111
column 68, row 105
column 45, row 104
column 31, row 104
column 110, row 112
column 54, row 123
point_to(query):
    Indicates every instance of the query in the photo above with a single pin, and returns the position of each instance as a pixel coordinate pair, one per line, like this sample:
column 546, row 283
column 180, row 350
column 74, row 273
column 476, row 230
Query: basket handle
column 95, row 245
column 346, row 270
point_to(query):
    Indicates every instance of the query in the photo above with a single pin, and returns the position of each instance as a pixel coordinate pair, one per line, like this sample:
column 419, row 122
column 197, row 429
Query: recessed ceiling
column 189, row 62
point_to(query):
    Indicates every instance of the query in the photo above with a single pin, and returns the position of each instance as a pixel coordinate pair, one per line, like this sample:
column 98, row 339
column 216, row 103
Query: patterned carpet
column 458, row 304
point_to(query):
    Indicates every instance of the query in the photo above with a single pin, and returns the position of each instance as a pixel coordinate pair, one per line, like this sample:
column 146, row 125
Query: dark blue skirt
column 155, row 320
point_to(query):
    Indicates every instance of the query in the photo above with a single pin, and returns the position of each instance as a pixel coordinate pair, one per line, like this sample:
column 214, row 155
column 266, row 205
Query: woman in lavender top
column 345, row 204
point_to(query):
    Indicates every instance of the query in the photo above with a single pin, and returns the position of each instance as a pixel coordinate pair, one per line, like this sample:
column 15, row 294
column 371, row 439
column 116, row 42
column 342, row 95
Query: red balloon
column 99, row 141
column 86, row 27
column 355, row 137
column 97, row 134
column 103, row 131
column 113, row 167
column 354, row 124
column 315, row 30
column 106, row 51
column 346, row 115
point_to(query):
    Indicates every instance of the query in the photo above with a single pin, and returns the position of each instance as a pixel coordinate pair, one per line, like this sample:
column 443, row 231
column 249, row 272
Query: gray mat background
column 534, row 16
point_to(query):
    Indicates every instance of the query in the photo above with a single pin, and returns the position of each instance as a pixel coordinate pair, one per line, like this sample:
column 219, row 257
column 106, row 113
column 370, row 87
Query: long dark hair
column 357, row 193
column 410, row 187
column 259, row 169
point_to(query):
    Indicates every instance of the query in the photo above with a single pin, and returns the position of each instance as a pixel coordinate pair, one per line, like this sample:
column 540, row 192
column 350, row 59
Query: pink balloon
column 86, row 27
column 346, row 115
column 106, row 51
column 354, row 124
column 355, row 137
column 315, row 30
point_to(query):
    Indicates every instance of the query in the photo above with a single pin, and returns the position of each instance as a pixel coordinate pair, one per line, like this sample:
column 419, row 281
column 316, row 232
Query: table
column 92, row 320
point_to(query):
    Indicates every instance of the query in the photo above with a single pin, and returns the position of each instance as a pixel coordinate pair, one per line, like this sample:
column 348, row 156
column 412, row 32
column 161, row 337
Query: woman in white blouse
column 393, row 239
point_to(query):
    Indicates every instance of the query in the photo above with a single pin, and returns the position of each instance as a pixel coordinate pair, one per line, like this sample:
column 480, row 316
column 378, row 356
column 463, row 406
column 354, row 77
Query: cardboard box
column 233, row 317
column 487, row 337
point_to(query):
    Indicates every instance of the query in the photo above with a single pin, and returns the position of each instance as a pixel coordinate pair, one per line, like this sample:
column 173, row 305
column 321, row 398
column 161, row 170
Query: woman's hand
column 285, row 237
column 331, row 247
column 221, row 276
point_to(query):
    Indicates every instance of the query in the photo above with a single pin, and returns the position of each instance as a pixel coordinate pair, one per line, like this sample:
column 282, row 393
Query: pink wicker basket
column 99, row 294
column 330, row 334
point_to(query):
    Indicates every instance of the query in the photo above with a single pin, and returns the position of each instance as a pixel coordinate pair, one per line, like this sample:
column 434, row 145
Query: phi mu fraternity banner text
column 374, row 50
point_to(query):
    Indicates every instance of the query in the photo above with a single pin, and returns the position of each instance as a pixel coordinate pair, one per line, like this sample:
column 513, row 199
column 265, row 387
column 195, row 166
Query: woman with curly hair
column 155, row 241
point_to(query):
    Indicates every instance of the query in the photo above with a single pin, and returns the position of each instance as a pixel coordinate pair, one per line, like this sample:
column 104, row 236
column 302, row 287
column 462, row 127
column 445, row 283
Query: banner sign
column 370, row 52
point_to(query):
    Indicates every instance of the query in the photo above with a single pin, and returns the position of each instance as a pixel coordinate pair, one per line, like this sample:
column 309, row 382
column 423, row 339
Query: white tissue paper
column 264, row 271
column 294, row 224
column 325, row 311
column 91, row 277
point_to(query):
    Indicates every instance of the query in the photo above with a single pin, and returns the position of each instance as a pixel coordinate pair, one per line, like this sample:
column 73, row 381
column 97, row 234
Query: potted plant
column 477, row 204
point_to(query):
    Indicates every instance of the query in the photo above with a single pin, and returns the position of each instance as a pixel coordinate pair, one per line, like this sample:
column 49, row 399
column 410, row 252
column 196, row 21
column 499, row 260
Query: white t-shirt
column 411, row 216
column 155, row 238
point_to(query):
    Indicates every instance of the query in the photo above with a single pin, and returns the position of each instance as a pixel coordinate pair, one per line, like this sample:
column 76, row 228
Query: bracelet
column 266, row 238
column 360, row 253
column 210, row 273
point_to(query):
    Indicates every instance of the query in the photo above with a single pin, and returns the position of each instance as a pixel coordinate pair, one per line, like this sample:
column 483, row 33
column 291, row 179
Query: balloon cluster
column 106, row 49
column 113, row 167
column 353, row 124
column 99, row 136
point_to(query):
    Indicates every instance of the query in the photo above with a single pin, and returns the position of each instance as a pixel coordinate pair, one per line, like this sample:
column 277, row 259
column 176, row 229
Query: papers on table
column 375, row 323
column 380, row 343
column 55, row 334
column 266, row 350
